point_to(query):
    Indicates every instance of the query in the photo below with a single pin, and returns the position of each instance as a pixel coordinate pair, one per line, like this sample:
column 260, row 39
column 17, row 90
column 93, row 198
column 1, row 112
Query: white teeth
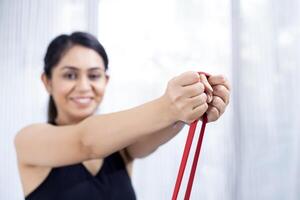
column 82, row 100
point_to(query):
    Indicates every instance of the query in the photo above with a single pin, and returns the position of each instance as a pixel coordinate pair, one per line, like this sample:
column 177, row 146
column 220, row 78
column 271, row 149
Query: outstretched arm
column 149, row 144
column 100, row 135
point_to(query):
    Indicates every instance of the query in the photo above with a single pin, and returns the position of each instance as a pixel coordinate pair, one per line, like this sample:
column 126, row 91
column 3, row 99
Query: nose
column 83, row 84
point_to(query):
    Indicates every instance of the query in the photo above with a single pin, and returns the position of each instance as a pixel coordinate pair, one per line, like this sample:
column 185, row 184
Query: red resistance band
column 185, row 155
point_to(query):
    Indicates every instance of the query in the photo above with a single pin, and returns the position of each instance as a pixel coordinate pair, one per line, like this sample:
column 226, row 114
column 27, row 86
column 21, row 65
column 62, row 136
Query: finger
column 222, row 92
column 208, row 88
column 194, row 89
column 198, row 100
column 209, row 97
column 219, row 79
column 187, row 78
column 219, row 104
column 212, row 114
column 198, row 112
column 206, row 83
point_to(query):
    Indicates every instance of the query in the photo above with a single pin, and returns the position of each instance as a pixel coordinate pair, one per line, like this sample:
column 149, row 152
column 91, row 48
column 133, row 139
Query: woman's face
column 77, row 85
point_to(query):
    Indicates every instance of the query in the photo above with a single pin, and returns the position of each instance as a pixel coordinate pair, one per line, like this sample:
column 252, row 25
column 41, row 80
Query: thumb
column 208, row 89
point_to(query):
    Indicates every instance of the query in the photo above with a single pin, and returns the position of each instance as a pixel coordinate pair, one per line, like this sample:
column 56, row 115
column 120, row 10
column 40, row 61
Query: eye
column 70, row 75
column 95, row 76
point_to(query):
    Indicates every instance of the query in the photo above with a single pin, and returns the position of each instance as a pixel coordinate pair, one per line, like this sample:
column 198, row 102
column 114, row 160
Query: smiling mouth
column 82, row 101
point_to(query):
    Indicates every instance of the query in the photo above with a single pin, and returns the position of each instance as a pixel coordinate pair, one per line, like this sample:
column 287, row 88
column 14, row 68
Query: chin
column 81, row 115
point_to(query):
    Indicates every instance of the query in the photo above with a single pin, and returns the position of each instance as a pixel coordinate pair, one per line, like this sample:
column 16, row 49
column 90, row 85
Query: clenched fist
column 190, row 95
column 220, row 96
column 186, row 96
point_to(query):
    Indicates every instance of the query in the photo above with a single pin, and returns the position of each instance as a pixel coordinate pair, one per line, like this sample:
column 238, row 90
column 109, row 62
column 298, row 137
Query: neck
column 61, row 121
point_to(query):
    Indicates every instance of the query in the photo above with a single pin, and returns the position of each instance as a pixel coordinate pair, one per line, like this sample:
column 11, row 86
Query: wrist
column 166, row 110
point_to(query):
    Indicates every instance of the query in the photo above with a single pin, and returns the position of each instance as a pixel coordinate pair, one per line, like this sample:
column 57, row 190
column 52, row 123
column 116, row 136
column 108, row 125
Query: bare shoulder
column 28, row 131
column 31, row 176
column 47, row 145
column 32, row 127
column 26, row 134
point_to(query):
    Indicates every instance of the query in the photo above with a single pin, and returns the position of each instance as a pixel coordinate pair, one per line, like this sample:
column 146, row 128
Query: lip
column 82, row 101
column 82, row 97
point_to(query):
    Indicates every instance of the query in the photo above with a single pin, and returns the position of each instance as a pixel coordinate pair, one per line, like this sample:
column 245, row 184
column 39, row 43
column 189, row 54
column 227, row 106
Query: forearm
column 104, row 134
column 150, row 143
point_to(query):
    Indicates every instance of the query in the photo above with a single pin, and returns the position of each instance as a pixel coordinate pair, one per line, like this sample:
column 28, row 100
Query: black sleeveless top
column 75, row 182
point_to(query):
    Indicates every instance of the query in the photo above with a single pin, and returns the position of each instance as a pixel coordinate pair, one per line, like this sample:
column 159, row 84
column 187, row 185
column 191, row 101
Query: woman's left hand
column 220, row 97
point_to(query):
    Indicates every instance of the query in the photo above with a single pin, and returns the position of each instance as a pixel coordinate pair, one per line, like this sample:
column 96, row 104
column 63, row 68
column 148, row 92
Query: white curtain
column 26, row 29
column 252, row 152
column 266, row 47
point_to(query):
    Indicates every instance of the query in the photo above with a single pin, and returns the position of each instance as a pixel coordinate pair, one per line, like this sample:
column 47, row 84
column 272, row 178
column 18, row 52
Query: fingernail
column 210, row 88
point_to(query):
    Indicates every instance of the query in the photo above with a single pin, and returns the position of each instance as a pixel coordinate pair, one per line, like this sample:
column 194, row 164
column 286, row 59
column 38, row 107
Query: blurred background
column 252, row 152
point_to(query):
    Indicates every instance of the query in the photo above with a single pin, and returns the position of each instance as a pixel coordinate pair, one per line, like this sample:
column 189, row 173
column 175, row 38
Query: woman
column 79, row 155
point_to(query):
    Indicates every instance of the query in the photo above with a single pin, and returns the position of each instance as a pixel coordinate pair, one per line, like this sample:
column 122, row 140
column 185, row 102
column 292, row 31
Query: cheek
column 99, row 91
column 62, row 91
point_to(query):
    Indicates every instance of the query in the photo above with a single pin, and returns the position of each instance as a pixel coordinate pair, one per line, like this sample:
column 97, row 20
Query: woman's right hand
column 186, row 97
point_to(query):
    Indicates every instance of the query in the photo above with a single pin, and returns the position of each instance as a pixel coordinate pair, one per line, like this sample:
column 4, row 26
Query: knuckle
column 195, row 74
column 220, row 89
column 205, row 106
column 214, row 101
column 213, row 114
column 192, row 75
column 223, row 78
column 216, row 89
column 196, row 90
column 203, row 98
column 215, row 111
column 201, row 87
column 217, row 101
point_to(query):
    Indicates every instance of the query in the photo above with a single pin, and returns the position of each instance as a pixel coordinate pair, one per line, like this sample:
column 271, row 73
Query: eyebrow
column 75, row 68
